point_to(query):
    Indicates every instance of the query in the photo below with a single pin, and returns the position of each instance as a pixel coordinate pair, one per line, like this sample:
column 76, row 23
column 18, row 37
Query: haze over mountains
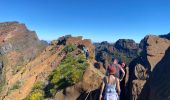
column 32, row 69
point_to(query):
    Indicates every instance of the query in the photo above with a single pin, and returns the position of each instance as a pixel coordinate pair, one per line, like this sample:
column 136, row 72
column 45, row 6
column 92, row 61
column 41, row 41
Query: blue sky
column 99, row 20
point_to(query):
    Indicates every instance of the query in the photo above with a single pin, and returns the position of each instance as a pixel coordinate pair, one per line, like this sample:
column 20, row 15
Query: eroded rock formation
column 18, row 46
column 124, row 49
column 25, row 60
column 148, row 72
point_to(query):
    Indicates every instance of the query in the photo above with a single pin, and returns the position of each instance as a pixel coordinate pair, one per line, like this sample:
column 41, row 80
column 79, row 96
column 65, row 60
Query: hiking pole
column 87, row 95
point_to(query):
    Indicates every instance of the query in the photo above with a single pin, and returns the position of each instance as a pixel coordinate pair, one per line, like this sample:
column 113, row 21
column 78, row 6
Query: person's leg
column 122, row 87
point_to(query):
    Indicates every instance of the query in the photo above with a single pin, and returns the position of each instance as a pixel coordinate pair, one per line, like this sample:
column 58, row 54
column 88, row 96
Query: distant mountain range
column 33, row 69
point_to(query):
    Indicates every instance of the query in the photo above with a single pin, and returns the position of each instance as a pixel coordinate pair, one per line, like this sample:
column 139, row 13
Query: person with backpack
column 110, row 89
column 84, row 49
column 87, row 55
column 86, row 52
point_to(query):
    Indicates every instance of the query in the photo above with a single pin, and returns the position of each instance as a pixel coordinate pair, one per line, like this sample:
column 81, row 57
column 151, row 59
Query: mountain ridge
column 32, row 69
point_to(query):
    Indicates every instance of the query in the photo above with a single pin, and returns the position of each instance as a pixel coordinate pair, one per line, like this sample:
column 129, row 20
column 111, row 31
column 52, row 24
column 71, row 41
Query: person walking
column 119, row 69
column 87, row 55
column 86, row 52
column 123, row 83
column 110, row 89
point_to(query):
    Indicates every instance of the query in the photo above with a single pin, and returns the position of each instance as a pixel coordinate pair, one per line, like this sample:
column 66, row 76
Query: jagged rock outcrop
column 87, row 88
column 128, row 46
column 124, row 49
column 92, row 77
column 166, row 36
column 18, row 46
column 148, row 74
column 25, row 60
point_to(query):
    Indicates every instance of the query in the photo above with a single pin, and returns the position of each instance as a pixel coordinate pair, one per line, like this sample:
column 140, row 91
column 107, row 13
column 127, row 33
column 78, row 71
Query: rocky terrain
column 32, row 69
column 29, row 66
column 18, row 46
column 149, row 73
column 166, row 36
column 123, row 49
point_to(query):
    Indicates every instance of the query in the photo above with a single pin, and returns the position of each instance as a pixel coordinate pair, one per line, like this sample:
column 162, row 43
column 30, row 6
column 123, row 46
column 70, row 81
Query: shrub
column 53, row 91
column 37, row 92
column 69, row 72
column 2, row 83
column 16, row 69
column 69, row 48
column 17, row 85
column 38, row 86
column 36, row 95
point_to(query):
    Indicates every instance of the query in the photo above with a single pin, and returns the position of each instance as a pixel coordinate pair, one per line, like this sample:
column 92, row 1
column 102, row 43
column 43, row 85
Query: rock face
column 166, row 36
column 25, row 60
column 92, row 77
column 127, row 46
column 87, row 88
column 124, row 49
column 148, row 74
column 18, row 46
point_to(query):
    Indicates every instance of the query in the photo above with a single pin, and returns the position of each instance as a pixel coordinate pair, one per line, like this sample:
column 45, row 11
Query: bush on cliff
column 69, row 48
column 16, row 85
column 37, row 92
column 69, row 72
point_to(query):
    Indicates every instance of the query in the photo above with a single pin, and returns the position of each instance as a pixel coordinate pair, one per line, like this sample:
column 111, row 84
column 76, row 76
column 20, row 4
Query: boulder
column 148, row 73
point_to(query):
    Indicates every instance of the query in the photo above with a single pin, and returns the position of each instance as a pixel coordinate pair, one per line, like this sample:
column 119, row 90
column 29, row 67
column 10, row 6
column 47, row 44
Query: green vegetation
column 38, row 86
column 37, row 92
column 2, row 83
column 16, row 69
column 17, row 85
column 123, row 57
column 126, row 58
column 69, row 72
column 53, row 50
column 69, row 48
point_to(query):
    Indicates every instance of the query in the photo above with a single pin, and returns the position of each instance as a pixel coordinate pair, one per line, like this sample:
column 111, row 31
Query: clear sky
column 99, row 20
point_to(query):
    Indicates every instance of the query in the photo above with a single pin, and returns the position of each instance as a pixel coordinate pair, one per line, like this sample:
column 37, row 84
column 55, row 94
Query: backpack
column 87, row 54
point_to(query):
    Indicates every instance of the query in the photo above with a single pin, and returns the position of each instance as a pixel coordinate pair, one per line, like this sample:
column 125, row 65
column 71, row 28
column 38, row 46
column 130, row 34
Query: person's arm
column 127, row 75
column 118, row 86
column 107, row 71
column 123, row 72
column 102, row 89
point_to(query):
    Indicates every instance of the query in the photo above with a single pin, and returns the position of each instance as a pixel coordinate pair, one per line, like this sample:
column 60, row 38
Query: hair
column 113, row 59
column 111, row 74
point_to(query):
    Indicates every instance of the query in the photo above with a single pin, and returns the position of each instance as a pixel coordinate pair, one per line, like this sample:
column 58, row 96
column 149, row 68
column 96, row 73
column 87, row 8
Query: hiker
column 123, row 83
column 110, row 89
column 84, row 49
column 87, row 54
column 118, row 67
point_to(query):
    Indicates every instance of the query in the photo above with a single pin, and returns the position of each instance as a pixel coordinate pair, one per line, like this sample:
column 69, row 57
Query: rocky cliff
column 149, row 73
column 124, row 49
column 32, row 69
column 18, row 46
column 166, row 36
